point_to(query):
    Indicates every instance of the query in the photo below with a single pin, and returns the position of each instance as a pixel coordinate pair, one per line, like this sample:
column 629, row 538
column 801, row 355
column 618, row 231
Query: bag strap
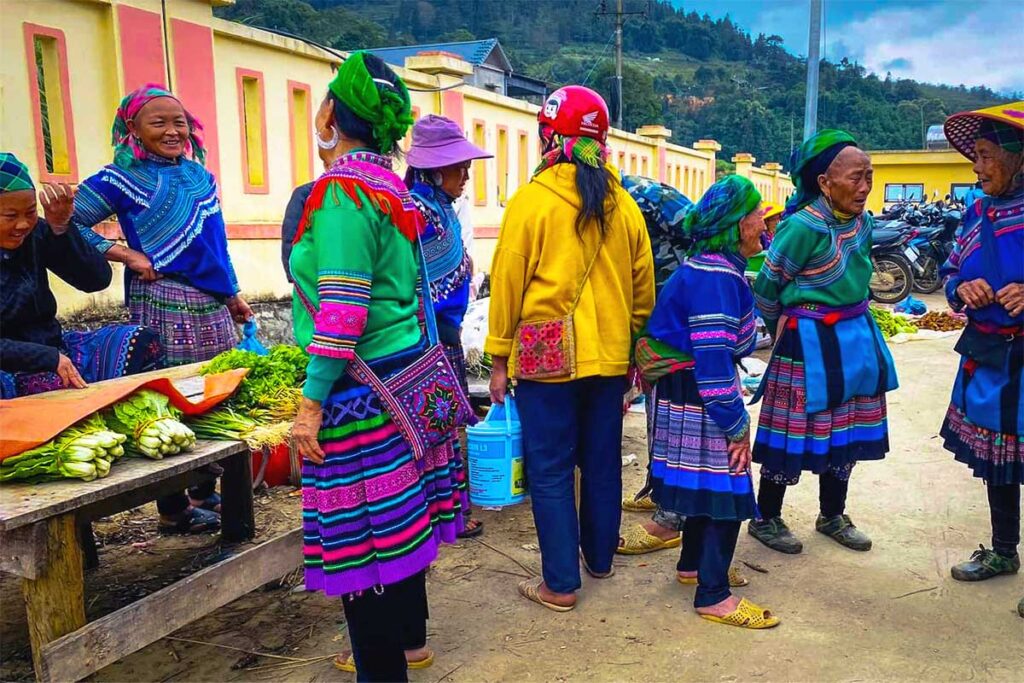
column 586, row 276
column 428, row 301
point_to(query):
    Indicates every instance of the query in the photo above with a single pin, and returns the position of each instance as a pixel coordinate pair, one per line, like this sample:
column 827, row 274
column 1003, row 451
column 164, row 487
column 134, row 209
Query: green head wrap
column 713, row 223
column 14, row 175
column 385, row 106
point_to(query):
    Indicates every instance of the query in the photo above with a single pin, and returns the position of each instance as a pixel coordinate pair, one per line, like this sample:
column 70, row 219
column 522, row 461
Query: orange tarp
column 29, row 421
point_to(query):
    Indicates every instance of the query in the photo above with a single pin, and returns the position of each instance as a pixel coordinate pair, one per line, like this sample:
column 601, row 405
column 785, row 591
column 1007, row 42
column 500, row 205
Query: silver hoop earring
column 327, row 144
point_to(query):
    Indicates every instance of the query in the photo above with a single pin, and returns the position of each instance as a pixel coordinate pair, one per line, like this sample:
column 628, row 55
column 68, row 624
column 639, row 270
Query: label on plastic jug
column 518, row 477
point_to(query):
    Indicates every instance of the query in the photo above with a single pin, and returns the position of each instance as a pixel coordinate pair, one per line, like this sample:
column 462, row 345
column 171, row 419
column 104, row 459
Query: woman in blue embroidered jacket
column 439, row 161
column 700, row 457
column 179, row 280
column 179, row 277
column 984, row 427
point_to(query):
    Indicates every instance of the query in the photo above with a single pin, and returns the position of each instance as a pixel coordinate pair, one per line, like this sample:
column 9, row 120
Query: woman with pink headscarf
column 179, row 280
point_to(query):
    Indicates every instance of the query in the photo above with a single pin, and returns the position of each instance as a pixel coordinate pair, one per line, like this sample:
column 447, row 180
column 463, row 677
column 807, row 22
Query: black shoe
column 984, row 564
column 841, row 530
column 776, row 535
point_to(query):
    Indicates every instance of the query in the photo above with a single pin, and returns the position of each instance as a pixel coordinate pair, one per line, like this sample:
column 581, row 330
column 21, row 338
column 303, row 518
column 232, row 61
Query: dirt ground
column 891, row 614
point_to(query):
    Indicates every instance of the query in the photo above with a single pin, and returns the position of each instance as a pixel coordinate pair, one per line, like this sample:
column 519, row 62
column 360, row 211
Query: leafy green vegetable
column 272, row 383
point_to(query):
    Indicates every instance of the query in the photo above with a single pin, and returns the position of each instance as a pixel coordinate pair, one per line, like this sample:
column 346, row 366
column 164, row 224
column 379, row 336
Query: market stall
column 45, row 526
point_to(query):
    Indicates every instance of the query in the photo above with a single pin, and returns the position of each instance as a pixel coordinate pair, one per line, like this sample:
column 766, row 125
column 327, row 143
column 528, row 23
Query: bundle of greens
column 225, row 424
column 152, row 425
column 271, row 389
column 890, row 324
column 86, row 450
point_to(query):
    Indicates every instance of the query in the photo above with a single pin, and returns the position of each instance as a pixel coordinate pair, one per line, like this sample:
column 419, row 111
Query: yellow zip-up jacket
column 540, row 260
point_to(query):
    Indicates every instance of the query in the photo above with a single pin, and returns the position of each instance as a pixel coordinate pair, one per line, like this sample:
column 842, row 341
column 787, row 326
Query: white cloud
column 979, row 43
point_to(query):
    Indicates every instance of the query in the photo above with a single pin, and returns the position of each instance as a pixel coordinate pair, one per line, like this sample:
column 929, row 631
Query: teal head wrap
column 812, row 159
column 14, row 175
column 713, row 223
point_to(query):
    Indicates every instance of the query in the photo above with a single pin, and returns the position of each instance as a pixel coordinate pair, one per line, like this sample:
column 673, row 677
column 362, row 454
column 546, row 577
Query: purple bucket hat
column 438, row 142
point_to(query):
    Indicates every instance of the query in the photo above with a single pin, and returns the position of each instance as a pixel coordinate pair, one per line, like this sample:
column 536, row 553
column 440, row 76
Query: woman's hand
column 140, row 264
column 1011, row 297
column 976, row 293
column 739, row 454
column 58, row 200
column 240, row 310
column 68, row 373
column 499, row 379
column 305, row 431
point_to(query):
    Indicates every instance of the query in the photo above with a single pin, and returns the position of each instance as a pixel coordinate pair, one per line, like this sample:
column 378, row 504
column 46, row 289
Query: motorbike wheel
column 929, row 280
column 891, row 280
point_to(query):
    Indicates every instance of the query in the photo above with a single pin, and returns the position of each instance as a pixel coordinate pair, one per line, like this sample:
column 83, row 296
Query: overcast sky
column 974, row 42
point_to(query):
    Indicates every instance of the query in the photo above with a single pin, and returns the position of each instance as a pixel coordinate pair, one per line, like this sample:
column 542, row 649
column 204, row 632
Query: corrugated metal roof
column 473, row 51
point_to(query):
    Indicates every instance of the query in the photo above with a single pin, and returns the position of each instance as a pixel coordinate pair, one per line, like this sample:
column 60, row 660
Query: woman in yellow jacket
column 572, row 281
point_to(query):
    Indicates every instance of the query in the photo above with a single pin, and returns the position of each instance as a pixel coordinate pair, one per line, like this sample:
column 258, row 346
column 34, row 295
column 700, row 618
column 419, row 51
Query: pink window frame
column 30, row 31
column 240, row 75
column 293, row 86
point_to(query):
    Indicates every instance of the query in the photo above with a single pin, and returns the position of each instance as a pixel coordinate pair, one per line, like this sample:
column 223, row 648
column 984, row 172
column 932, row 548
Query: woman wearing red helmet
column 572, row 281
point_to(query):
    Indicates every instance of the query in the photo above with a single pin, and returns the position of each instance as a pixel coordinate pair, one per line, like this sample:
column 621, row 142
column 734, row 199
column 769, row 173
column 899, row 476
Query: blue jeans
column 565, row 425
column 708, row 547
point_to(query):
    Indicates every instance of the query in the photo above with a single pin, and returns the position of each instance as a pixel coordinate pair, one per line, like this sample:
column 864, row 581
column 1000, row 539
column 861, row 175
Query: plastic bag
column 249, row 341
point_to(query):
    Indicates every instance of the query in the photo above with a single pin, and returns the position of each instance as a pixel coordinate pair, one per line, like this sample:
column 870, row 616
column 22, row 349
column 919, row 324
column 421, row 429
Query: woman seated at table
column 36, row 355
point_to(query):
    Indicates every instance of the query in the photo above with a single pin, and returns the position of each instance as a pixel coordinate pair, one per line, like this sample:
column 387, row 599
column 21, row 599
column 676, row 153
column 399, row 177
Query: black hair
column 594, row 186
column 359, row 129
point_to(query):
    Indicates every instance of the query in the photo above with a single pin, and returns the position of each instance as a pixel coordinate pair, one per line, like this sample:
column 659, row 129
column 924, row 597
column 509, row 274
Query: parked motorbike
column 892, row 256
column 934, row 244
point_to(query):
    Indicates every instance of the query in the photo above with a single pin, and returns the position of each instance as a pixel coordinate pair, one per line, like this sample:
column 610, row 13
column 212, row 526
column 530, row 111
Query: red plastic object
column 278, row 471
column 576, row 111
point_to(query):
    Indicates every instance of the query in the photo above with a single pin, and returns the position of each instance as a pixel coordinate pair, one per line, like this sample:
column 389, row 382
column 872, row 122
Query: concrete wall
column 937, row 170
column 97, row 50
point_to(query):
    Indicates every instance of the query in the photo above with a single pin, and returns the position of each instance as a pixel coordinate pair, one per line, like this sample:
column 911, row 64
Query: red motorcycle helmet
column 574, row 111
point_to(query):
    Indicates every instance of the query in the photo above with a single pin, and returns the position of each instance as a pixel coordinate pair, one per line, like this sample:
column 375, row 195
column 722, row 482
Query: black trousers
column 831, row 496
column 382, row 626
column 1004, row 506
column 708, row 547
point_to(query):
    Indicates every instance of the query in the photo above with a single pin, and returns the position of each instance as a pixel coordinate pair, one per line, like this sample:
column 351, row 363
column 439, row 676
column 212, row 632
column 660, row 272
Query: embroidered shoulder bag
column 546, row 348
column 425, row 399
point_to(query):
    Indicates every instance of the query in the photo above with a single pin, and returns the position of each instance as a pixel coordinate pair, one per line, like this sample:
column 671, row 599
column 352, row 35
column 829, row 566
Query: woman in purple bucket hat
column 439, row 161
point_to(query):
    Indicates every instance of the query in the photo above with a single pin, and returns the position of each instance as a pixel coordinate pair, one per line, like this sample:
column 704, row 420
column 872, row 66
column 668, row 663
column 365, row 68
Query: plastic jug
column 494, row 448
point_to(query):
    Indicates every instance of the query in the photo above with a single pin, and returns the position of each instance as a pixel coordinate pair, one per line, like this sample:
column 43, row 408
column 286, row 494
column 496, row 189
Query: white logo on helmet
column 588, row 122
column 553, row 104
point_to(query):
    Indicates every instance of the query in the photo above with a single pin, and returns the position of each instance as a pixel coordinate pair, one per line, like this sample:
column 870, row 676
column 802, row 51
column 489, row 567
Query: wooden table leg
column 55, row 600
column 88, row 541
column 238, row 522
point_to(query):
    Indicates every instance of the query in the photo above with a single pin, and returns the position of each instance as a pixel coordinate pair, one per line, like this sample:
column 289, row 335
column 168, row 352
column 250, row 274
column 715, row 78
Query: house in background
column 492, row 69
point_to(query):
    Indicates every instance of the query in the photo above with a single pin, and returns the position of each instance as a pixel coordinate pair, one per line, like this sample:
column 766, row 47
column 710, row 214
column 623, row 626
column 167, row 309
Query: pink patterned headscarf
column 127, row 149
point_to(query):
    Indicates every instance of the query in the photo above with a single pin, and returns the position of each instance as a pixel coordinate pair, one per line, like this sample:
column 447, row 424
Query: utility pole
column 620, row 19
column 813, row 63
column 618, row 65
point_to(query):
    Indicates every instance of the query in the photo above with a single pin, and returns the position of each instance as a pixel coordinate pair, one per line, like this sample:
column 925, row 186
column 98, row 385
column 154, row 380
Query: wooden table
column 44, row 527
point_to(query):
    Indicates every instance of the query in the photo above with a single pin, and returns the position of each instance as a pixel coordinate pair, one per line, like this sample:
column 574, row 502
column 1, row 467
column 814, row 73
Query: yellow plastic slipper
column 746, row 615
column 637, row 541
column 644, row 504
column 736, row 580
column 349, row 663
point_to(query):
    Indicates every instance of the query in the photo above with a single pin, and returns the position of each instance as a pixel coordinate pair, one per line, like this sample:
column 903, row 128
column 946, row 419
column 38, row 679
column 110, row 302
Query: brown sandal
column 530, row 589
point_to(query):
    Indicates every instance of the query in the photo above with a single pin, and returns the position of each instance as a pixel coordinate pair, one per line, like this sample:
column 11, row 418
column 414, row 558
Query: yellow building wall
column 96, row 73
column 937, row 170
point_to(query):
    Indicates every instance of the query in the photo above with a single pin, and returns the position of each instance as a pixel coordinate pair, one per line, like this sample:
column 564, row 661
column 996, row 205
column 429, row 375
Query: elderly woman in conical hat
column 824, row 390
column 984, row 278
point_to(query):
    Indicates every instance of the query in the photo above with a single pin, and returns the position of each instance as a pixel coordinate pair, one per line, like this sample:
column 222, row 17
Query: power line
column 600, row 58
